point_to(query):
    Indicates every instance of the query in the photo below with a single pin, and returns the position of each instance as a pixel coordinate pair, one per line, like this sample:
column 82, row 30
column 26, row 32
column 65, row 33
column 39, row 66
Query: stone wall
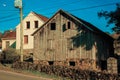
column 83, row 64
column 65, row 71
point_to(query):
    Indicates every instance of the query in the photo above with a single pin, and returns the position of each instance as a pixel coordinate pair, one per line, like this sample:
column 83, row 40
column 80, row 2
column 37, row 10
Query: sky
column 84, row 9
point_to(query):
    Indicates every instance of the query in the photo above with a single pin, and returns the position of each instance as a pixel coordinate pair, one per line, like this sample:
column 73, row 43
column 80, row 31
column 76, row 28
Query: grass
column 44, row 75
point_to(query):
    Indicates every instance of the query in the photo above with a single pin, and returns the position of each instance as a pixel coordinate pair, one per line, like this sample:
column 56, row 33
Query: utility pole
column 18, row 4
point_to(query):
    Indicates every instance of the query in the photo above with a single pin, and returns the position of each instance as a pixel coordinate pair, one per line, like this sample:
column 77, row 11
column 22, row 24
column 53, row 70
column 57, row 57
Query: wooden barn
column 68, row 40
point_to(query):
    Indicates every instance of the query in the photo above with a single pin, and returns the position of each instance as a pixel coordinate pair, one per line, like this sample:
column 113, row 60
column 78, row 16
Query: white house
column 8, row 39
column 30, row 23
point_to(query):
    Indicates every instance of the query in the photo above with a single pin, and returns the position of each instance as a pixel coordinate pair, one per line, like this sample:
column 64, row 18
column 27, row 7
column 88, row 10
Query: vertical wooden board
column 36, row 46
column 83, row 52
column 64, row 49
column 75, row 54
column 58, row 52
column 94, row 51
column 78, row 53
column 88, row 54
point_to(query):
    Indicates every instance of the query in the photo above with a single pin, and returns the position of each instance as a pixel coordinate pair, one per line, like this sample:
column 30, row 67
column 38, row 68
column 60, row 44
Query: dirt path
column 7, row 75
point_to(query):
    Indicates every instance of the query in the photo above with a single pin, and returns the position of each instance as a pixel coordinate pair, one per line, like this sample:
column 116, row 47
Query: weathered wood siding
column 55, row 45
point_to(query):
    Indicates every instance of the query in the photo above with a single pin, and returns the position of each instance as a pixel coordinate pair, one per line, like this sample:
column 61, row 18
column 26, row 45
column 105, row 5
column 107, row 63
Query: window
column 64, row 27
column 36, row 24
column 25, row 39
column 28, row 24
column 72, row 63
column 69, row 25
column 53, row 26
column 50, row 62
column 7, row 44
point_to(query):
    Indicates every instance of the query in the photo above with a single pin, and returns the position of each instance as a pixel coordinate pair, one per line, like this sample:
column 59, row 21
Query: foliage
column 10, row 55
column 112, row 17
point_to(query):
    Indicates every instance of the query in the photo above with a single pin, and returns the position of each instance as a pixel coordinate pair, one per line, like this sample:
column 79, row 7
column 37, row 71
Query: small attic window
column 64, row 27
column 28, row 24
column 36, row 24
column 53, row 26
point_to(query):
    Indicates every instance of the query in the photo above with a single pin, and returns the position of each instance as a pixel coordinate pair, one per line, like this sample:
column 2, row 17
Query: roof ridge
column 39, row 14
column 44, row 18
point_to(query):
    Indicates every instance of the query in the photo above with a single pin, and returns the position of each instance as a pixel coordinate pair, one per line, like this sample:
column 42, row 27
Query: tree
column 113, row 17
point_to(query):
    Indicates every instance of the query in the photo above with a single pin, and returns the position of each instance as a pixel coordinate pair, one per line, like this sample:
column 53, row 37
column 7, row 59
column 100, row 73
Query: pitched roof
column 44, row 18
column 84, row 23
column 9, row 35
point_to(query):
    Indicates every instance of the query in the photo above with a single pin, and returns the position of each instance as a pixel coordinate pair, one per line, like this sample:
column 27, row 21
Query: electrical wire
column 9, row 19
column 77, row 9
column 93, row 7
column 11, row 15
column 65, row 4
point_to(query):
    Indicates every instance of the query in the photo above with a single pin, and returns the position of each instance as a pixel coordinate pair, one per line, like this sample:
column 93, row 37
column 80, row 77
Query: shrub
column 10, row 55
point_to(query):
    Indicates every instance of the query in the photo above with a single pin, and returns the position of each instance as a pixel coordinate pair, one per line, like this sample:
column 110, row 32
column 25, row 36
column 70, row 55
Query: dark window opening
column 72, row 63
column 64, row 27
column 28, row 24
column 50, row 62
column 53, row 26
column 36, row 24
column 103, row 65
column 69, row 25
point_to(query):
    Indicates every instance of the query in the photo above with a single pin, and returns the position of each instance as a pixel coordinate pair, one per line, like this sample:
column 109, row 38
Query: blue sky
column 84, row 9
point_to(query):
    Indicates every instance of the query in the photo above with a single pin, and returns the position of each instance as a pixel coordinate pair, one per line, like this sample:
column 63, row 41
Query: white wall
column 4, row 43
column 31, row 17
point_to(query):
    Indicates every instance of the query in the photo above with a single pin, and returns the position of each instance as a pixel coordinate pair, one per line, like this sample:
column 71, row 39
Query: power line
column 8, row 10
column 11, row 15
column 54, row 6
column 60, row 5
column 77, row 9
column 9, row 19
column 93, row 7
column 46, row 8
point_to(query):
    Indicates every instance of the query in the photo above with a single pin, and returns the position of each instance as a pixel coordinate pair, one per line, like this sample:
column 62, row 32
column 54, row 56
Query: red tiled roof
column 41, row 17
column 11, row 34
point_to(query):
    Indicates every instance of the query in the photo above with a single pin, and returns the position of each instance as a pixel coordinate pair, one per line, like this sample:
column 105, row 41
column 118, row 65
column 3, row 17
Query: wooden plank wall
column 58, row 40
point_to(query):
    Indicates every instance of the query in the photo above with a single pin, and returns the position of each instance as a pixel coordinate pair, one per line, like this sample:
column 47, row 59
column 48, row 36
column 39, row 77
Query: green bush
column 10, row 55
